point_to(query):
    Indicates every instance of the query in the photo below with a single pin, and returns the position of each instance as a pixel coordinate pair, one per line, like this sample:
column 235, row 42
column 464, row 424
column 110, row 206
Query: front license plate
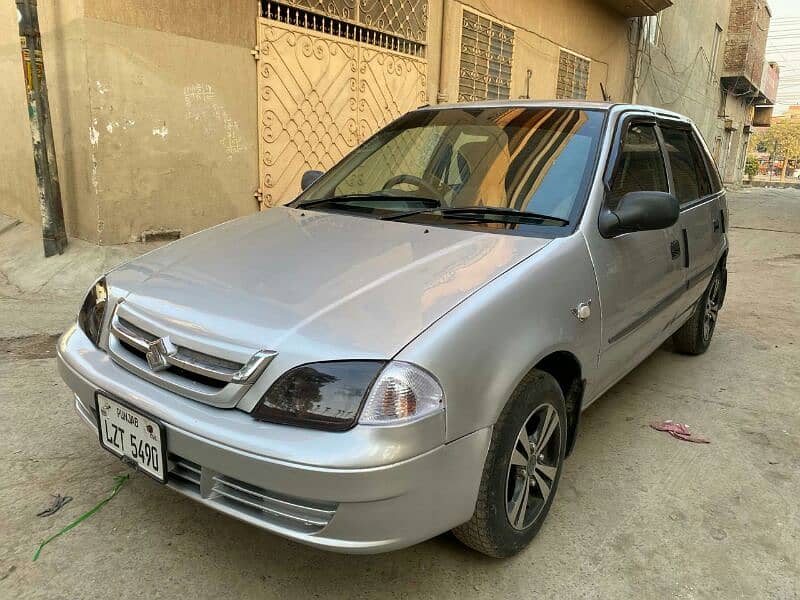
column 129, row 434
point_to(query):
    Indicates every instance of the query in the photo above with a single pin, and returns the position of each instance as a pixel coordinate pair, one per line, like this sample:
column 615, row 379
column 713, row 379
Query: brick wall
column 748, row 26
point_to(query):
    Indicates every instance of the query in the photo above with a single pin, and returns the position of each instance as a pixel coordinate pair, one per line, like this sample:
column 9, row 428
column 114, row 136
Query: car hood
column 318, row 285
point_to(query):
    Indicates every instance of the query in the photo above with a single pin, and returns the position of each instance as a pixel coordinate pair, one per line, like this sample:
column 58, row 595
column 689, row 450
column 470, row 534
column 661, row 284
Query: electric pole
column 54, row 233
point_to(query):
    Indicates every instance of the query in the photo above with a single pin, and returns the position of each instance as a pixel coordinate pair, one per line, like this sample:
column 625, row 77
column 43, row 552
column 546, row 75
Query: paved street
column 638, row 513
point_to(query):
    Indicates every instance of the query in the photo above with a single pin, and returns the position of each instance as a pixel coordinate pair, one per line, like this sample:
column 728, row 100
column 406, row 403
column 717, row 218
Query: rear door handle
column 716, row 224
column 675, row 249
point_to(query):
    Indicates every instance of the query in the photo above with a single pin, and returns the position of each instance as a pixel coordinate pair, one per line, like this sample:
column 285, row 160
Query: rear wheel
column 522, row 469
column 694, row 337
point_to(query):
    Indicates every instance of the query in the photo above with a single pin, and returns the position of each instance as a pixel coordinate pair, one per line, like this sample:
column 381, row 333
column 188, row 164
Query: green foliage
column 781, row 138
column 751, row 166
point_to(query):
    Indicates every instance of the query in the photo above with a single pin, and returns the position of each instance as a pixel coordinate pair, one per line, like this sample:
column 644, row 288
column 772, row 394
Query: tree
column 782, row 138
column 751, row 167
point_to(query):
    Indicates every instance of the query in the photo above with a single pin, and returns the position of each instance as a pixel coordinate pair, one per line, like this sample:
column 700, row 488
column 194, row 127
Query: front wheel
column 522, row 469
column 694, row 336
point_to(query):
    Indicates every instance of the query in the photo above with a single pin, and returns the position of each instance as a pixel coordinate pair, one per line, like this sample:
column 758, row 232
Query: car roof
column 571, row 104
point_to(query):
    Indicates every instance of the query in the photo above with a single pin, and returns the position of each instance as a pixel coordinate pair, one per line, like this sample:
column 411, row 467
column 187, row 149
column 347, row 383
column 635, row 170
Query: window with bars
column 487, row 53
column 293, row 12
column 573, row 76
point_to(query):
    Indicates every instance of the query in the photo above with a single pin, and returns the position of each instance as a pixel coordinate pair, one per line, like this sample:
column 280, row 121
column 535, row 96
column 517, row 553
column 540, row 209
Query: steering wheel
column 417, row 182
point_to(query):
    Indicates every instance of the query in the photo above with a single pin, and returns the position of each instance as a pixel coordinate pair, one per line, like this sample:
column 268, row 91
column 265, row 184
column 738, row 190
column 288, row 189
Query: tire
column 694, row 336
column 502, row 525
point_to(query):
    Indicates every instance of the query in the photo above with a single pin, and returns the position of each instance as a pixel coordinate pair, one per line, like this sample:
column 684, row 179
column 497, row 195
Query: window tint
column 688, row 167
column 640, row 167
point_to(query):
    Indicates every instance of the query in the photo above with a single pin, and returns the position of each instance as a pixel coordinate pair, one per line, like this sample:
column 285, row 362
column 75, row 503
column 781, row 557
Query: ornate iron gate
column 324, row 85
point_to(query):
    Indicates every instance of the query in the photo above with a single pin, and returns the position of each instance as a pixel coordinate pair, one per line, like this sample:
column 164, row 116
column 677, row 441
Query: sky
column 783, row 46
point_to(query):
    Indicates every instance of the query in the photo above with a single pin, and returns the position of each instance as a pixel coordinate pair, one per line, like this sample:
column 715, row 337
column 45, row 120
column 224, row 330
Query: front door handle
column 675, row 249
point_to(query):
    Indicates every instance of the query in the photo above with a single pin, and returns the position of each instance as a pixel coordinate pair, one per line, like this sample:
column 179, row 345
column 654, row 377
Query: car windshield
column 429, row 162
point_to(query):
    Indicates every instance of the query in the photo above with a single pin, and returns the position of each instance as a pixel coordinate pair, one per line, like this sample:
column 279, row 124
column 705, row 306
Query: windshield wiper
column 388, row 198
column 478, row 212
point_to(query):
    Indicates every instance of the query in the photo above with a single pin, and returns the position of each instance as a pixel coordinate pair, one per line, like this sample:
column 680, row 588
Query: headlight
column 90, row 318
column 331, row 395
column 402, row 393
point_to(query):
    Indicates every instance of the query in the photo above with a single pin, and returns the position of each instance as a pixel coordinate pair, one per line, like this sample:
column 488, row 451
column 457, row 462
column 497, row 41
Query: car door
column 702, row 218
column 640, row 275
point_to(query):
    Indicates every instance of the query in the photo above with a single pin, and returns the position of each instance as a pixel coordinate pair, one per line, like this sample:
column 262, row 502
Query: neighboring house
column 706, row 60
column 749, row 84
column 163, row 120
column 792, row 115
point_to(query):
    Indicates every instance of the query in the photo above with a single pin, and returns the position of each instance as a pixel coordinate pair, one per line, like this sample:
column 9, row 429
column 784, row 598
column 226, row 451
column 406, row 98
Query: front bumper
column 370, row 489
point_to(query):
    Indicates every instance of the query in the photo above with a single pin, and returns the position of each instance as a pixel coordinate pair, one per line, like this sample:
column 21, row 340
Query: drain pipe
column 444, row 45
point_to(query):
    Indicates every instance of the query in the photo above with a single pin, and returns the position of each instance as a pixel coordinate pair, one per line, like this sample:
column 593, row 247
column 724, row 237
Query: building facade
column 706, row 60
column 749, row 83
column 178, row 115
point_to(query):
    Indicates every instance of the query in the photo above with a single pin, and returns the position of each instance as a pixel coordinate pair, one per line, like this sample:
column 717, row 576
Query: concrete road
column 638, row 514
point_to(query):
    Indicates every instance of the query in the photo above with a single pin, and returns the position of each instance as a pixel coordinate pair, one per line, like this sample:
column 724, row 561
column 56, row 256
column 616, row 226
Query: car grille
column 195, row 366
column 248, row 500
column 186, row 371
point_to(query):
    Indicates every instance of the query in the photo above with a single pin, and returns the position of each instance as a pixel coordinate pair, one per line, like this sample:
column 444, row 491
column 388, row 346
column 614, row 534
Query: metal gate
column 320, row 94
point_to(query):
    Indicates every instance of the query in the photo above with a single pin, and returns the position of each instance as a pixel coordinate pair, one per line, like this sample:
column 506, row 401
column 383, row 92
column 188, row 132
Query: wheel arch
column 565, row 368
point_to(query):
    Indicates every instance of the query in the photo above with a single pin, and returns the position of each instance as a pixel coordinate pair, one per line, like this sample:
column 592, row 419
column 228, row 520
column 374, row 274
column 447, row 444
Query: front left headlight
column 93, row 310
column 335, row 395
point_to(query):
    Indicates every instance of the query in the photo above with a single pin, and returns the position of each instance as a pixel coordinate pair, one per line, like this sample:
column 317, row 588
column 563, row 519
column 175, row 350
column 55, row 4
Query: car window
column 711, row 165
column 640, row 167
column 408, row 153
column 688, row 168
column 538, row 160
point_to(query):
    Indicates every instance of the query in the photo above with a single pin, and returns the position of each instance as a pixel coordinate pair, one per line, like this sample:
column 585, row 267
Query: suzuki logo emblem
column 158, row 353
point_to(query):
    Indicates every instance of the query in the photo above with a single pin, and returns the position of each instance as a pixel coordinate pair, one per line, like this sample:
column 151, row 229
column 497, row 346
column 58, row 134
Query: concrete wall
column 172, row 131
column 231, row 22
column 18, row 195
column 154, row 113
column 738, row 112
column 65, row 65
column 541, row 28
column 172, row 100
column 676, row 73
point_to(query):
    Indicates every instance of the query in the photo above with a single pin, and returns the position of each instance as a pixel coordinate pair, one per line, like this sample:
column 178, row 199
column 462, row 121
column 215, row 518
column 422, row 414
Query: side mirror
column 639, row 211
column 309, row 177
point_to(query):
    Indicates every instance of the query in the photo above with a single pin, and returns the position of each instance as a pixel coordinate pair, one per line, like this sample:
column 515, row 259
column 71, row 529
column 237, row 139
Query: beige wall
column 173, row 130
column 154, row 129
column 541, row 29
column 18, row 196
column 62, row 40
column 230, row 22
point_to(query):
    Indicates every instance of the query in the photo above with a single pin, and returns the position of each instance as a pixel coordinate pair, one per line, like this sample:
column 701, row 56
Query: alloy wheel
column 711, row 308
column 533, row 467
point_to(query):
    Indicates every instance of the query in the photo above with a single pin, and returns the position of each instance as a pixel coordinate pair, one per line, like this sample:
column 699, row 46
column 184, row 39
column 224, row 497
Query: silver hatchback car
column 406, row 348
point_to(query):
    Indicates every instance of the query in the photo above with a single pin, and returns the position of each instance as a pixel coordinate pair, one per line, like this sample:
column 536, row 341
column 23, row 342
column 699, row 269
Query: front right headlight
column 93, row 310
